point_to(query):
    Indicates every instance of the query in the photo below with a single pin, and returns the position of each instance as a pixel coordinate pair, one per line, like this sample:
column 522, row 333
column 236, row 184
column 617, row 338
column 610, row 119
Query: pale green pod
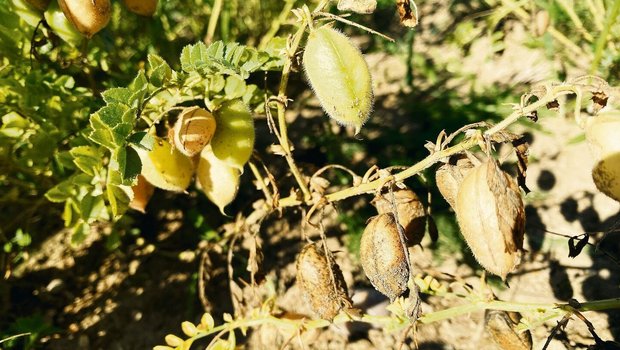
column 217, row 179
column 233, row 141
column 339, row 76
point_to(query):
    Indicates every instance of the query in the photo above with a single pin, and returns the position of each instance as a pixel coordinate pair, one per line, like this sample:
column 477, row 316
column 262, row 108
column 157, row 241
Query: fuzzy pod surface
column 409, row 210
column 491, row 215
column 384, row 257
column 339, row 76
column 217, row 179
column 325, row 295
column 233, row 141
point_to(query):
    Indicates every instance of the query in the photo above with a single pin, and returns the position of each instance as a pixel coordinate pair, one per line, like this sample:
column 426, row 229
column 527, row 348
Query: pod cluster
column 212, row 147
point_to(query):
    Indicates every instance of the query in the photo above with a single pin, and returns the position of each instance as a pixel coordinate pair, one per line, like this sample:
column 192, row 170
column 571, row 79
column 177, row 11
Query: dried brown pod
column 322, row 282
column 88, row 17
column 450, row 175
column 142, row 193
column 141, row 7
column 491, row 216
column 409, row 210
column 193, row 130
column 502, row 326
column 384, row 257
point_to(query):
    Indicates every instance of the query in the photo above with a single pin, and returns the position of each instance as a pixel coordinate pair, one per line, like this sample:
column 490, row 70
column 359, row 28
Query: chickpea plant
column 169, row 129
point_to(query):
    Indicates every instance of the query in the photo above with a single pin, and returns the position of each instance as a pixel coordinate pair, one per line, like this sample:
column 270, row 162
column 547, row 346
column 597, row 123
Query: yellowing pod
column 165, row 167
column 339, row 76
column 603, row 135
column 141, row 7
column 233, row 141
column 217, row 179
column 88, row 16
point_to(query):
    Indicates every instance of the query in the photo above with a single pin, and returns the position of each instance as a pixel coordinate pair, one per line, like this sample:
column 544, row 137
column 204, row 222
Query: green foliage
column 24, row 332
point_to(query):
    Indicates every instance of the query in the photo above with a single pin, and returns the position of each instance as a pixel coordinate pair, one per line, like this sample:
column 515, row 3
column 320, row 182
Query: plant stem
column 397, row 322
column 215, row 15
column 275, row 25
column 602, row 38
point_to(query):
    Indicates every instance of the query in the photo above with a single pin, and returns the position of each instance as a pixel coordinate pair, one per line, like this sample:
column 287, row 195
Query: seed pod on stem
column 193, row 130
column 603, row 135
column 141, row 7
column 339, row 76
column 321, row 282
column 384, row 256
column 491, row 216
column 450, row 175
column 165, row 167
column 217, row 179
column 233, row 141
column 409, row 210
column 88, row 16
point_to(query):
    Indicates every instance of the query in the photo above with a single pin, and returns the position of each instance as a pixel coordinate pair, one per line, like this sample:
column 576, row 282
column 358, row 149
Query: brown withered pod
column 450, row 175
column 322, row 282
column 409, row 210
column 502, row 326
column 491, row 215
column 384, row 256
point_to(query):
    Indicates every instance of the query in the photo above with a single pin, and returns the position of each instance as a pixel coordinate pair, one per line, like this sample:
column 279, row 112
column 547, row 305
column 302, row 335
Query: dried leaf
column 522, row 150
column 575, row 249
column 502, row 326
column 358, row 6
column 408, row 12
column 600, row 100
column 509, row 206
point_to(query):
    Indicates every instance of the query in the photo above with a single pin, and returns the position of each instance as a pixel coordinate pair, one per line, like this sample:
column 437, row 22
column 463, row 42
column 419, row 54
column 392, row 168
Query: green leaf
column 235, row 87
column 80, row 231
column 111, row 125
column 126, row 162
column 159, row 72
column 117, row 95
column 118, row 195
column 61, row 192
column 142, row 139
column 92, row 208
column 139, row 87
column 577, row 139
column 87, row 158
